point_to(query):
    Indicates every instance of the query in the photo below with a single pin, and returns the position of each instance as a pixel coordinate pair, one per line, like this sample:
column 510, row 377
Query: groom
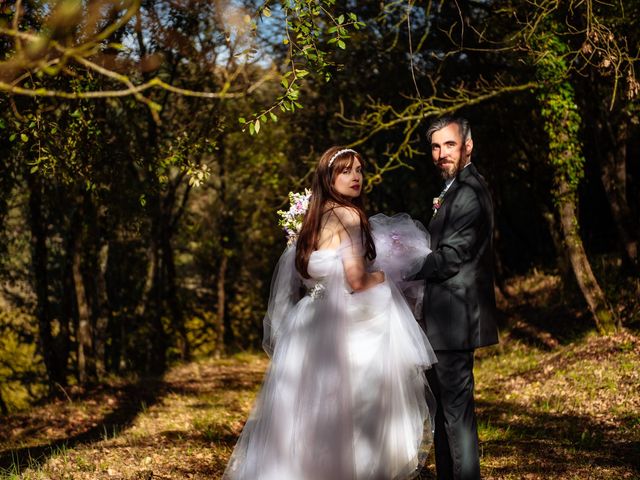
column 459, row 306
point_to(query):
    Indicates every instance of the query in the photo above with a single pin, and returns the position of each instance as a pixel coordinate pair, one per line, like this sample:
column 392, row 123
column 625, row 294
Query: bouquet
column 291, row 220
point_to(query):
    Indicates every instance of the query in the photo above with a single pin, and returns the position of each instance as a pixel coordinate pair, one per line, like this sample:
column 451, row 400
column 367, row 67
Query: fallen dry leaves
column 548, row 409
column 182, row 427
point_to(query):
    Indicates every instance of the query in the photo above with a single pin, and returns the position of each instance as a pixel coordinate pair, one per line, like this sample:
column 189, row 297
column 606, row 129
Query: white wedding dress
column 345, row 396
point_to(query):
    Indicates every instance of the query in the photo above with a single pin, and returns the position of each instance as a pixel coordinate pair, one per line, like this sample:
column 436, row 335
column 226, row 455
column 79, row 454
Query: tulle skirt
column 345, row 396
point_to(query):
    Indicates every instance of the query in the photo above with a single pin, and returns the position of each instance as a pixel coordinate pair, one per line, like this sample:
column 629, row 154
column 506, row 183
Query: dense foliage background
column 140, row 229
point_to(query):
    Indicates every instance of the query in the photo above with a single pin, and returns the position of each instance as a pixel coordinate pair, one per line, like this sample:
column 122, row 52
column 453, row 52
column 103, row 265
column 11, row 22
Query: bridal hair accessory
column 291, row 220
column 340, row 152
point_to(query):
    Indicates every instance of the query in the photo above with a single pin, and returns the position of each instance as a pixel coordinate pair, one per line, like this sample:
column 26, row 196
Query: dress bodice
column 324, row 266
column 322, row 263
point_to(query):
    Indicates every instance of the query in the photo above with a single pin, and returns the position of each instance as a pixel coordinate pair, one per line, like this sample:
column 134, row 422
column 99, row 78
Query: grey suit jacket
column 459, row 304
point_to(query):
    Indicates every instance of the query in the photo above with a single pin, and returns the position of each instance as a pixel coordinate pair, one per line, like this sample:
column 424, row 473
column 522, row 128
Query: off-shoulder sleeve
column 402, row 245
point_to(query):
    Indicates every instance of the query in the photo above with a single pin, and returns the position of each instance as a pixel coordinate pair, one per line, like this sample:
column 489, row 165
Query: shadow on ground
column 133, row 399
column 549, row 445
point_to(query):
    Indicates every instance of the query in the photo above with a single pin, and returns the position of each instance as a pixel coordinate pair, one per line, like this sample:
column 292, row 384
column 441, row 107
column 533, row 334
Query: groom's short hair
column 441, row 122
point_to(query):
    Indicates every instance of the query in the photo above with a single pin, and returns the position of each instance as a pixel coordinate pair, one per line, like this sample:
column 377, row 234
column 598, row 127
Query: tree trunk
column 159, row 339
column 103, row 309
column 39, row 258
column 562, row 256
column 562, row 122
column 85, row 359
column 224, row 337
column 614, row 178
column 68, row 307
column 155, row 310
column 221, row 311
column 593, row 294
column 171, row 216
column 147, row 289
column 173, row 300
column 116, row 332
column 96, row 255
column 150, row 305
column 115, row 359
column 84, row 333
column 152, row 302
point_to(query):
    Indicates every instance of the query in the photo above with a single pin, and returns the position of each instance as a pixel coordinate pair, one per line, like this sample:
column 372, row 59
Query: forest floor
column 554, row 401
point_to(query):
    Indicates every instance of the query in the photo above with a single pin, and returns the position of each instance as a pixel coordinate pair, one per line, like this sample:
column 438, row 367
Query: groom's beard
column 452, row 171
column 457, row 167
column 447, row 175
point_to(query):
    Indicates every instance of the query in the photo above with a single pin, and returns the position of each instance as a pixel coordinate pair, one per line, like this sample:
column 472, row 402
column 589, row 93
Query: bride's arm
column 357, row 276
column 353, row 255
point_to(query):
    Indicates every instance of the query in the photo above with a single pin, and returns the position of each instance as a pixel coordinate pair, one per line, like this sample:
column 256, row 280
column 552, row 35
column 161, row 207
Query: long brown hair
column 323, row 191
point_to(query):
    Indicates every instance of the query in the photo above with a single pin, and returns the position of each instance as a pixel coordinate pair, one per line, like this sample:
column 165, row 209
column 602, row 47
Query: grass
column 185, row 430
column 568, row 413
column 551, row 405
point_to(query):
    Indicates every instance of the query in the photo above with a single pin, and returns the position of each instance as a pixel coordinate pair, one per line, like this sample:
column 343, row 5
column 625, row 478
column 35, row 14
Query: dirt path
column 179, row 428
column 560, row 412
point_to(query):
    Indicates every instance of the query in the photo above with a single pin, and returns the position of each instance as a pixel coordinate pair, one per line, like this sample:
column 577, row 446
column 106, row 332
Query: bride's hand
column 378, row 276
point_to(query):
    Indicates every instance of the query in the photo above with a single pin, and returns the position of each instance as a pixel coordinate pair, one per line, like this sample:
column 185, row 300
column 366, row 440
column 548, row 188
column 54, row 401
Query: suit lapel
column 439, row 219
column 435, row 227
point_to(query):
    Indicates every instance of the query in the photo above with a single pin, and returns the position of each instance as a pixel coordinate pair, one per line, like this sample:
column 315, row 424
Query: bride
column 345, row 396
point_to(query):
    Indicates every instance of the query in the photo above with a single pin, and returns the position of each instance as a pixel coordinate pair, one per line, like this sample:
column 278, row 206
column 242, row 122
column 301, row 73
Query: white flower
column 291, row 220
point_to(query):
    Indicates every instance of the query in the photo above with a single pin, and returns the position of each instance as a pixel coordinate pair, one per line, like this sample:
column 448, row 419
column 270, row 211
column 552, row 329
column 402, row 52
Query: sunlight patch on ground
column 566, row 413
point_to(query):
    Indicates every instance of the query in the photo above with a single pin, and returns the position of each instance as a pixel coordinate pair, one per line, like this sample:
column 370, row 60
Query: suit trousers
column 456, row 429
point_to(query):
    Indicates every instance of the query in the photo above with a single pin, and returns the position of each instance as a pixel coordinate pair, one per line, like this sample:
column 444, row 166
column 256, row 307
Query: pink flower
column 291, row 220
column 437, row 203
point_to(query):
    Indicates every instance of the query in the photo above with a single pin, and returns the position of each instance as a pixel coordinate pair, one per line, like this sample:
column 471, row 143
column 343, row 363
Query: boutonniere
column 437, row 203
